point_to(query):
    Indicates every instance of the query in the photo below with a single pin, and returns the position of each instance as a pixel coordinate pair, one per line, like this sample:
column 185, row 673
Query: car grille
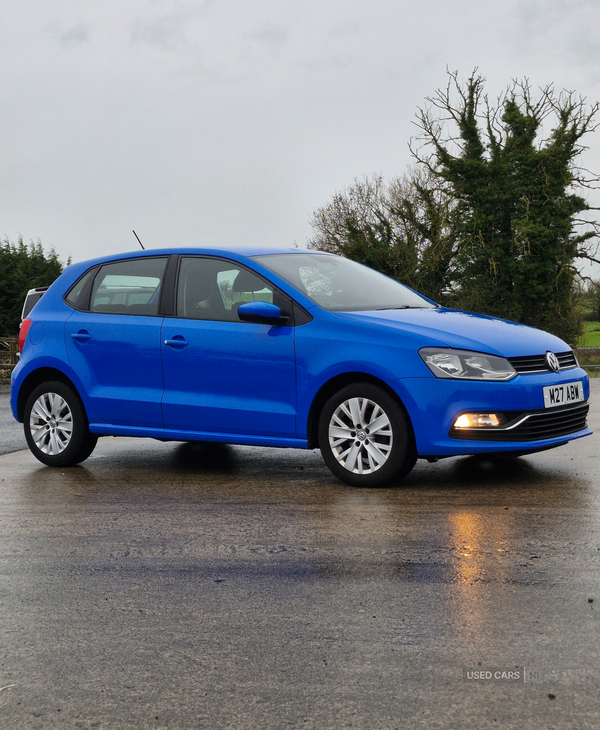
column 537, row 363
column 533, row 426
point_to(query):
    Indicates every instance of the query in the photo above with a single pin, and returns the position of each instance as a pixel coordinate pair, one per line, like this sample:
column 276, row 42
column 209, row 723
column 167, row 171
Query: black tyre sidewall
column 403, row 455
column 82, row 441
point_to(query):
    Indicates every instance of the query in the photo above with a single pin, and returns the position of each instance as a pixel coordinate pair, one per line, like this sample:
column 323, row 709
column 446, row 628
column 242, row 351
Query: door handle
column 177, row 342
column 81, row 336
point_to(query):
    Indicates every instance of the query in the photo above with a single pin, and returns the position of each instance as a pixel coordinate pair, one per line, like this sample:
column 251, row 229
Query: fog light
column 480, row 420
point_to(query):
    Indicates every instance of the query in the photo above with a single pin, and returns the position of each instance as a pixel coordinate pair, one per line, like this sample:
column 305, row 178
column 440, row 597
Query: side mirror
column 261, row 313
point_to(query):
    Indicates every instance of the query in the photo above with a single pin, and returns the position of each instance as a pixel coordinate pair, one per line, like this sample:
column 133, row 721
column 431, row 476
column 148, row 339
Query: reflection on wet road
column 205, row 586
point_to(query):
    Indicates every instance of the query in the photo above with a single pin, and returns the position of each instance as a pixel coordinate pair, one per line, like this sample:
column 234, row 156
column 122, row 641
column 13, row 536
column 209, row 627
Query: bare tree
column 404, row 228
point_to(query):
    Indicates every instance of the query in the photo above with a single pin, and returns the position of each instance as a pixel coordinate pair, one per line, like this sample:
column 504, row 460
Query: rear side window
column 129, row 287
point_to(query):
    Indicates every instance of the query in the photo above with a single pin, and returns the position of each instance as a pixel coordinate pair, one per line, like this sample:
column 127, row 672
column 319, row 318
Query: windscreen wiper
column 404, row 306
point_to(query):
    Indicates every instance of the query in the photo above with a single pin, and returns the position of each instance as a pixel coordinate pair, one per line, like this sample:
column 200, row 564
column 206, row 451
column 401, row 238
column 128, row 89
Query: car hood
column 464, row 330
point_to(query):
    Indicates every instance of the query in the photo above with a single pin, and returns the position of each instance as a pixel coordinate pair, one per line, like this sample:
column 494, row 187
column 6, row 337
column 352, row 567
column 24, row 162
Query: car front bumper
column 434, row 404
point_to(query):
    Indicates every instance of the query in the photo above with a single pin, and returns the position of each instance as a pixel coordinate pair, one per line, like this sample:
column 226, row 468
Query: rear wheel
column 56, row 426
column 365, row 437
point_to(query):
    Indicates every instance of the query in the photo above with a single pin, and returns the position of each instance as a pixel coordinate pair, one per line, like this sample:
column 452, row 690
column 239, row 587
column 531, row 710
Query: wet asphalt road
column 177, row 586
column 11, row 432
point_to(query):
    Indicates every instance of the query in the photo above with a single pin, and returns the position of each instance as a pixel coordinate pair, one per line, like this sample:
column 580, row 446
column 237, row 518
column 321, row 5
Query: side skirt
column 166, row 434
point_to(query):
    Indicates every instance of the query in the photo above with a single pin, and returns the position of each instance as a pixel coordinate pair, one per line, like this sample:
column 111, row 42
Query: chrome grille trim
column 530, row 364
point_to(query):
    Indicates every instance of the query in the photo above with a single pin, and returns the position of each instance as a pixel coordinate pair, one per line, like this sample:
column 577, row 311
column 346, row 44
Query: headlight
column 464, row 365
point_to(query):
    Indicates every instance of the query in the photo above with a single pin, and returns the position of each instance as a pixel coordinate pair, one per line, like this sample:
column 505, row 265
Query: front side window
column 128, row 287
column 214, row 289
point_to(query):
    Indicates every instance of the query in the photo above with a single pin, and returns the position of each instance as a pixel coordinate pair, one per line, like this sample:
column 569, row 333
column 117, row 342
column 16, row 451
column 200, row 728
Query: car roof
column 235, row 251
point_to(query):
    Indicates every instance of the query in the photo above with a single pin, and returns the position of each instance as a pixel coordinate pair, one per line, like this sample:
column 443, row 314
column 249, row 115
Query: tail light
column 25, row 324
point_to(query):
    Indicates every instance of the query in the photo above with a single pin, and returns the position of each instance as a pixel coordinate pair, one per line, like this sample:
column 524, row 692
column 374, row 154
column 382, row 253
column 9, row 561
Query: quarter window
column 77, row 288
column 128, row 287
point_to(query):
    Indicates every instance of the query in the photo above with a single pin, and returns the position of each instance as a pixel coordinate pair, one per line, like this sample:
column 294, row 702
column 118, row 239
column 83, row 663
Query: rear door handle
column 81, row 336
column 177, row 342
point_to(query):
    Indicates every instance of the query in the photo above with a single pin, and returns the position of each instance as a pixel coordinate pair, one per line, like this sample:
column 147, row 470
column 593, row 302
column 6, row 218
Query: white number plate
column 560, row 395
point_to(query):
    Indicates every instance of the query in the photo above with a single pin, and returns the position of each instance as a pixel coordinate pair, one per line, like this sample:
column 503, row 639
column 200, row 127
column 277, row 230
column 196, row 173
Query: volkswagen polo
column 284, row 348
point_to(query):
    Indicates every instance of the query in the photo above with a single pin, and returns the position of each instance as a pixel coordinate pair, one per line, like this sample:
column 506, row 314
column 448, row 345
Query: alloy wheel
column 51, row 423
column 360, row 435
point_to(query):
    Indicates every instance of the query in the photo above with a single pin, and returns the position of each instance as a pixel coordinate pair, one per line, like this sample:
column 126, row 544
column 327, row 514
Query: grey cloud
column 345, row 29
column 272, row 35
column 169, row 31
column 76, row 35
column 569, row 29
column 585, row 47
column 539, row 15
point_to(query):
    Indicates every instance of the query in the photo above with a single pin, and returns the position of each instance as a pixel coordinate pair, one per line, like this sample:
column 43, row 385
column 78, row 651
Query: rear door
column 113, row 342
column 222, row 375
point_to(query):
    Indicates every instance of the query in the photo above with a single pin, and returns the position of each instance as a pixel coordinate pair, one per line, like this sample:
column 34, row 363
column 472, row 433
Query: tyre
column 56, row 426
column 365, row 437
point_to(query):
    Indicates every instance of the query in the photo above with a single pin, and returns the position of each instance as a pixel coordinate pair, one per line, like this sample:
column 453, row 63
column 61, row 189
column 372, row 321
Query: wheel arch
column 37, row 377
column 337, row 383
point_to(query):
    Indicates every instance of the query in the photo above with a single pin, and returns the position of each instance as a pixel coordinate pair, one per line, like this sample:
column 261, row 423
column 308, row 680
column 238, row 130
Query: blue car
column 284, row 348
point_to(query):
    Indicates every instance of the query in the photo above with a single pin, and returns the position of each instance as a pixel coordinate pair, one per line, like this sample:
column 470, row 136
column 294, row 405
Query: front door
column 222, row 375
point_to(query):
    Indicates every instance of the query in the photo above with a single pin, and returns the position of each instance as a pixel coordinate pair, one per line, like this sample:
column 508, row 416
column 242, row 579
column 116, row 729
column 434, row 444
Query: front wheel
column 365, row 437
column 56, row 426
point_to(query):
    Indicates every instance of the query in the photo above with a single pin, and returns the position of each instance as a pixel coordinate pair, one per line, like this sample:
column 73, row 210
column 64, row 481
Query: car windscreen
column 341, row 285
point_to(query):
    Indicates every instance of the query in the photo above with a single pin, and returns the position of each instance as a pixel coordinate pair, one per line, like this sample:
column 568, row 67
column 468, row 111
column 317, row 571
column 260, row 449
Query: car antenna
column 138, row 238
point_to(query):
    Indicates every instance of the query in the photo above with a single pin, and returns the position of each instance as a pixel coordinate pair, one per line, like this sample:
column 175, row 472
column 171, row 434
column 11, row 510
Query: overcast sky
column 224, row 122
